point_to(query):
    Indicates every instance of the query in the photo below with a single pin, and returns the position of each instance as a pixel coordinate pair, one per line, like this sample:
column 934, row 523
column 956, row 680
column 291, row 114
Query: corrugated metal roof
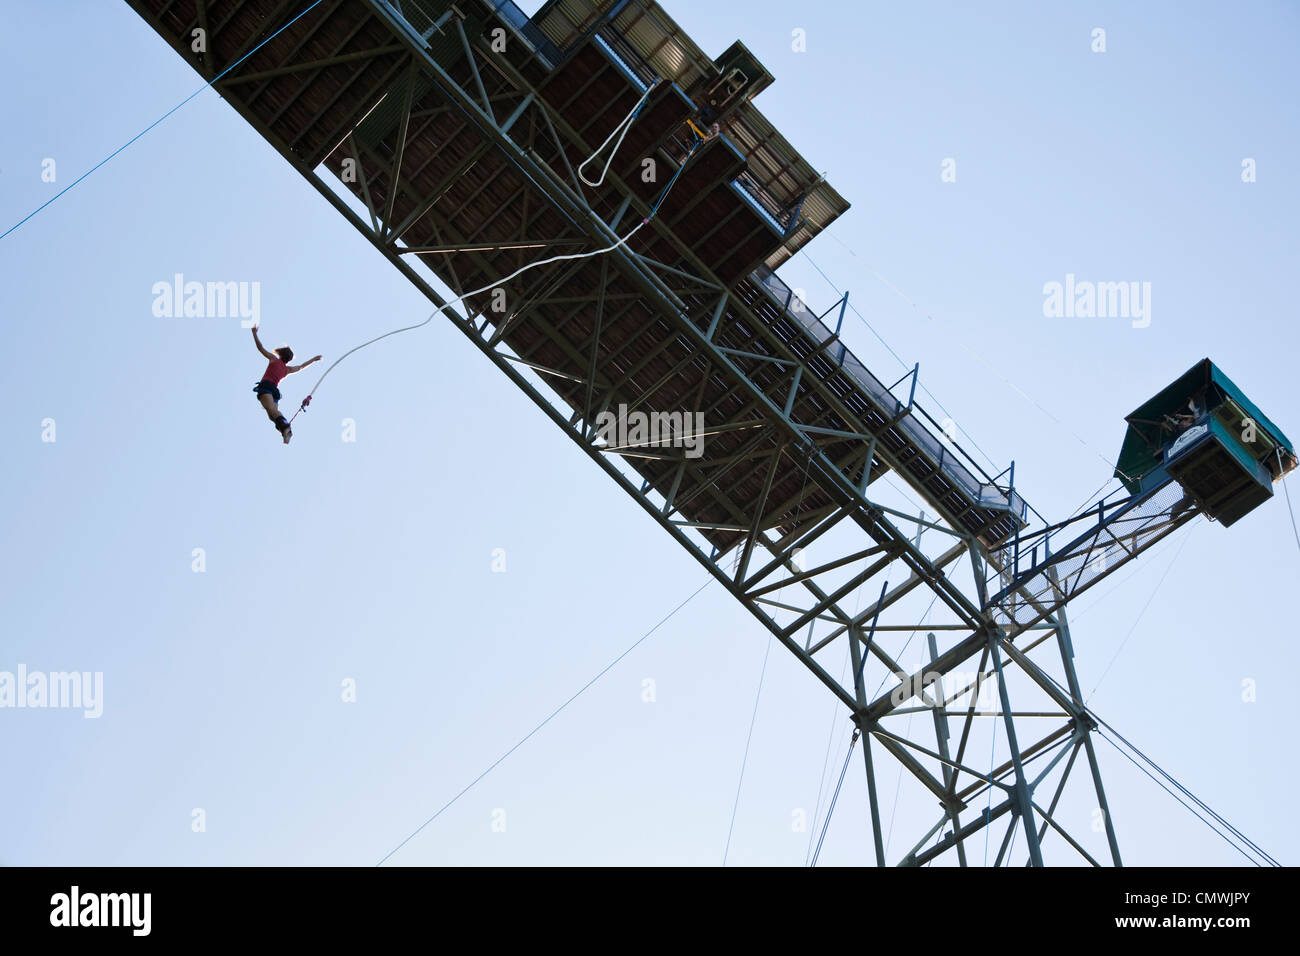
column 1140, row 453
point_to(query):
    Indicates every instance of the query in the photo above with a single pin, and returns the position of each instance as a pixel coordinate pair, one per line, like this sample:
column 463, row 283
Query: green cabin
column 1204, row 433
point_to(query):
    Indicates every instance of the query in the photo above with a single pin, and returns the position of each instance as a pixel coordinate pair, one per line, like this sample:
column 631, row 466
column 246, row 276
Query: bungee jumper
column 268, row 390
column 269, row 394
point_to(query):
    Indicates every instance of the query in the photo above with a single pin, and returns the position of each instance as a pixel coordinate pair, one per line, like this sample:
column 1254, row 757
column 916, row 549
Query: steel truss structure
column 448, row 136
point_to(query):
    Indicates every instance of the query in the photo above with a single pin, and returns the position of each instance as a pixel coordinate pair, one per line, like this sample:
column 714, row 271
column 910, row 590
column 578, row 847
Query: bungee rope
column 532, row 265
column 625, row 124
column 302, row 407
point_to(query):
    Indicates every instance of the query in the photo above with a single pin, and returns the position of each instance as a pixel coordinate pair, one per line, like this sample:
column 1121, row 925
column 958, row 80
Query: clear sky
column 372, row 561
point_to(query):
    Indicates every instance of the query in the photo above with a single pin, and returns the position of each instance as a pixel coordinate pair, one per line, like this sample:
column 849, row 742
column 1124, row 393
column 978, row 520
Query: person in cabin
column 268, row 391
column 1179, row 422
column 1176, row 423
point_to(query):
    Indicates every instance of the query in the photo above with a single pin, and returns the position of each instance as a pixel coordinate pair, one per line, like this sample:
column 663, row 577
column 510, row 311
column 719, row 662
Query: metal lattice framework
column 448, row 136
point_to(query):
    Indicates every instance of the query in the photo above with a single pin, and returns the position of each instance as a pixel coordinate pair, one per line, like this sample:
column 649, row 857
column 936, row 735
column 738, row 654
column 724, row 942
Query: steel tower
column 450, row 134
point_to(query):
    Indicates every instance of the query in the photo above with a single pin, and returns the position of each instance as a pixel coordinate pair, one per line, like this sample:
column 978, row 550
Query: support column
column 1021, row 794
column 1072, row 680
column 860, row 718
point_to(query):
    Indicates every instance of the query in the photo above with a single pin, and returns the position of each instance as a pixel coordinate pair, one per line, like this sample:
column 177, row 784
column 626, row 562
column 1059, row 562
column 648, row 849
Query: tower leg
column 855, row 660
column 1024, row 809
column 871, row 798
column 941, row 742
column 1072, row 681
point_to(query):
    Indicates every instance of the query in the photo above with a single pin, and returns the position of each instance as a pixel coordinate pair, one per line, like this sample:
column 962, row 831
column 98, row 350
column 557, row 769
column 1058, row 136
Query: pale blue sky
column 372, row 560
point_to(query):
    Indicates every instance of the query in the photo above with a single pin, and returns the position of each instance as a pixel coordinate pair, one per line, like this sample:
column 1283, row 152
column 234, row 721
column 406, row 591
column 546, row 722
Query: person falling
column 268, row 391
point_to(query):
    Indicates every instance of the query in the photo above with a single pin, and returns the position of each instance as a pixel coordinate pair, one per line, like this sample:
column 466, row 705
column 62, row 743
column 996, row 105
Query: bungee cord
column 626, row 124
column 461, row 298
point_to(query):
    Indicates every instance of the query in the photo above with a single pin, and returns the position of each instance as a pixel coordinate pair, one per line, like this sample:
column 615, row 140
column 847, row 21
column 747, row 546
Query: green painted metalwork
column 1149, row 432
